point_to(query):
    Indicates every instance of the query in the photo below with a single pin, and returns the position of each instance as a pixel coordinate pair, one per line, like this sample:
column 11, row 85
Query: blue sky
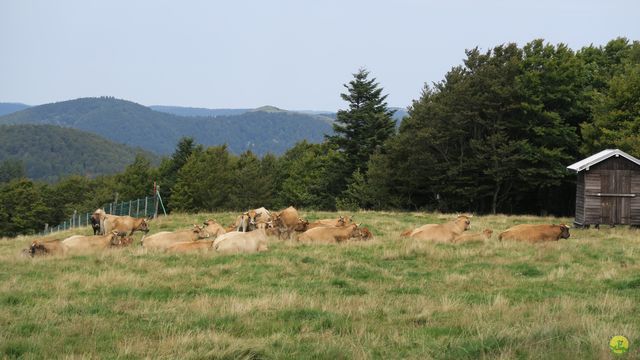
column 290, row 54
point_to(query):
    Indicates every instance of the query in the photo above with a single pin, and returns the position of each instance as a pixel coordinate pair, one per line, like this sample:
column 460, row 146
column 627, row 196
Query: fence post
column 110, row 208
column 146, row 200
column 138, row 208
column 130, row 207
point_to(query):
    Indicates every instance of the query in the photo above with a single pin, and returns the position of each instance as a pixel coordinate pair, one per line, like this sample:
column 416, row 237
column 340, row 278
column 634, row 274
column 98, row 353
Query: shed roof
column 601, row 156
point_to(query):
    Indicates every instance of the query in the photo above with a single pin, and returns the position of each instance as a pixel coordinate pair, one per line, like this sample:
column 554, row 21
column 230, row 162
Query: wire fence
column 144, row 207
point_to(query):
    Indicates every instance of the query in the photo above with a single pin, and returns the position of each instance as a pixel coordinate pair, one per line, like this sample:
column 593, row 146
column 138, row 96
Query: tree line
column 494, row 136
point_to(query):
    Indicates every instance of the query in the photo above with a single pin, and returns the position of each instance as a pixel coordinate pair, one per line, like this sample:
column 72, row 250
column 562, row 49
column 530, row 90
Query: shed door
column 616, row 207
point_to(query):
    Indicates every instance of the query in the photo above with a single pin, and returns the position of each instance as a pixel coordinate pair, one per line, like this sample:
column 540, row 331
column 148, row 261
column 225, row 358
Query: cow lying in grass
column 47, row 247
column 446, row 232
column 481, row 236
column 535, row 233
column 91, row 244
column 331, row 234
column 164, row 239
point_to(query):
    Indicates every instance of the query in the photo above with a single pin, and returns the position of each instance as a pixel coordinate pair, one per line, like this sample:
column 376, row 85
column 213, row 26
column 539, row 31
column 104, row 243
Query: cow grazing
column 535, row 233
column 191, row 246
column 164, row 239
column 481, row 236
column 241, row 242
column 47, row 247
column 214, row 229
column 330, row 234
column 90, row 244
column 441, row 232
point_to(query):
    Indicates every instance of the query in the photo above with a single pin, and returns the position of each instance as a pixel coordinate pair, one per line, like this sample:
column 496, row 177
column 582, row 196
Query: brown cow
column 481, row 236
column 89, row 244
column 340, row 221
column 287, row 221
column 535, row 233
column 242, row 242
column 212, row 228
column 365, row 234
column 47, row 247
column 330, row 234
column 441, row 232
column 164, row 239
column 191, row 246
column 125, row 224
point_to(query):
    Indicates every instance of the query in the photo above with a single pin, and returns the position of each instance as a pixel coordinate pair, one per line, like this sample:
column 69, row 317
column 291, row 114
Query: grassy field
column 387, row 298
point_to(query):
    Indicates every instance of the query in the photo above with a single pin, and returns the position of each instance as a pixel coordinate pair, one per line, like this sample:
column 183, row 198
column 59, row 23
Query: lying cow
column 535, row 233
column 241, row 242
column 330, row 234
column 191, row 246
column 47, row 247
column 481, row 236
column 446, row 232
column 90, row 244
column 164, row 239
column 340, row 221
column 212, row 228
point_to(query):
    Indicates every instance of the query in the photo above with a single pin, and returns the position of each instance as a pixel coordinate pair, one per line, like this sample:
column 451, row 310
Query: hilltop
column 50, row 152
column 137, row 125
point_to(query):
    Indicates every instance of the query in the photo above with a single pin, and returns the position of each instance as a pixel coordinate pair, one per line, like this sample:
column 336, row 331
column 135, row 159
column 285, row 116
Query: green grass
column 387, row 298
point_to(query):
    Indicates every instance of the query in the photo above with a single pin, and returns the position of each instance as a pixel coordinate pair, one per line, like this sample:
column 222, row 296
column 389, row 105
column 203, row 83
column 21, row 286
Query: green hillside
column 136, row 125
column 50, row 152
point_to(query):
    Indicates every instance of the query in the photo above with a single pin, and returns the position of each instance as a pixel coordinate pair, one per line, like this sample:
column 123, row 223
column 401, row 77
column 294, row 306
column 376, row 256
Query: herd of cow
column 251, row 231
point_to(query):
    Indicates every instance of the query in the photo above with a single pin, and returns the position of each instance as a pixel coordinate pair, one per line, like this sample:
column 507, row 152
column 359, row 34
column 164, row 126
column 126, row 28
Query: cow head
column 144, row 226
column 487, row 233
column 564, row 231
column 463, row 221
column 301, row 226
column 199, row 232
column 37, row 249
column 114, row 238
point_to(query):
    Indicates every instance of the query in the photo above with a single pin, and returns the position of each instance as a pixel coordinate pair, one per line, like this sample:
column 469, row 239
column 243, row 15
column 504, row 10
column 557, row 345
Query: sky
column 295, row 55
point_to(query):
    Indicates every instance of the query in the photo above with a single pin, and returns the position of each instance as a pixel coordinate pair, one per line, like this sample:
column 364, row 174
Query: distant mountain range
column 51, row 152
column 8, row 108
column 263, row 130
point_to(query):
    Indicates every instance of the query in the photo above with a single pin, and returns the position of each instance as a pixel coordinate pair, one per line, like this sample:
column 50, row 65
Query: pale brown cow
column 214, row 229
column 191, row 246
column 340, row 221
column 125, row 224
column 242, row 242
column 481, row 236
column 535, row 233
column 164, row 239
column 441, row 232
column 330, row 234
column 287, row 221
column 47, row 247
column 91, row 244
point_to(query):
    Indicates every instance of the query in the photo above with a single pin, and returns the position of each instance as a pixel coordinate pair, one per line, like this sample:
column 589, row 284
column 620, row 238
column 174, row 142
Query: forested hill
column 8, row 108
column 136, row 125
column 50, row 152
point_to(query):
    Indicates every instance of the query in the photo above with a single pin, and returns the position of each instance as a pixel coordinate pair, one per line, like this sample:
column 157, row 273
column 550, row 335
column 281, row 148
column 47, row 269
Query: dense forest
column 129, row 123
column 49, row 153
column 495, row 135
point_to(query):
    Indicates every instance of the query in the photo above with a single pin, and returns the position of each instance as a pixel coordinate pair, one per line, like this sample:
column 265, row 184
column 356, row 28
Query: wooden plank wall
column 580, row 198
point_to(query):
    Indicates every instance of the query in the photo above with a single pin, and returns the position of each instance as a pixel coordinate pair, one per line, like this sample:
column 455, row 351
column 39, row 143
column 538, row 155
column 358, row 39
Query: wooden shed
column 608, row 189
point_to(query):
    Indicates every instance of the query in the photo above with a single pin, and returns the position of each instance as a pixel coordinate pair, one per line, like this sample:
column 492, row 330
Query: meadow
column 387, row 298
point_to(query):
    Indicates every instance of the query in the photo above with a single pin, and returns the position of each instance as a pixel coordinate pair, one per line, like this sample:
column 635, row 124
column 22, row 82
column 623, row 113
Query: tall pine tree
column 365, row 125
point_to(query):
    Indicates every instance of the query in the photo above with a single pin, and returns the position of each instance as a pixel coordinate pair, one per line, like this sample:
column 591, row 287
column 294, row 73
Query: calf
column 164, row 239
column 446, row 232
column 481, row 236
column 242, row 242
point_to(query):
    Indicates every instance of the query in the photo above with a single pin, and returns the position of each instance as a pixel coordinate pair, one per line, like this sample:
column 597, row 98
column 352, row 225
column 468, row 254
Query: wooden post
column 156, row 201
column 73, row 217
column 146, row 201
column 46, row 227
column 138, row 208
column 129, row 207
